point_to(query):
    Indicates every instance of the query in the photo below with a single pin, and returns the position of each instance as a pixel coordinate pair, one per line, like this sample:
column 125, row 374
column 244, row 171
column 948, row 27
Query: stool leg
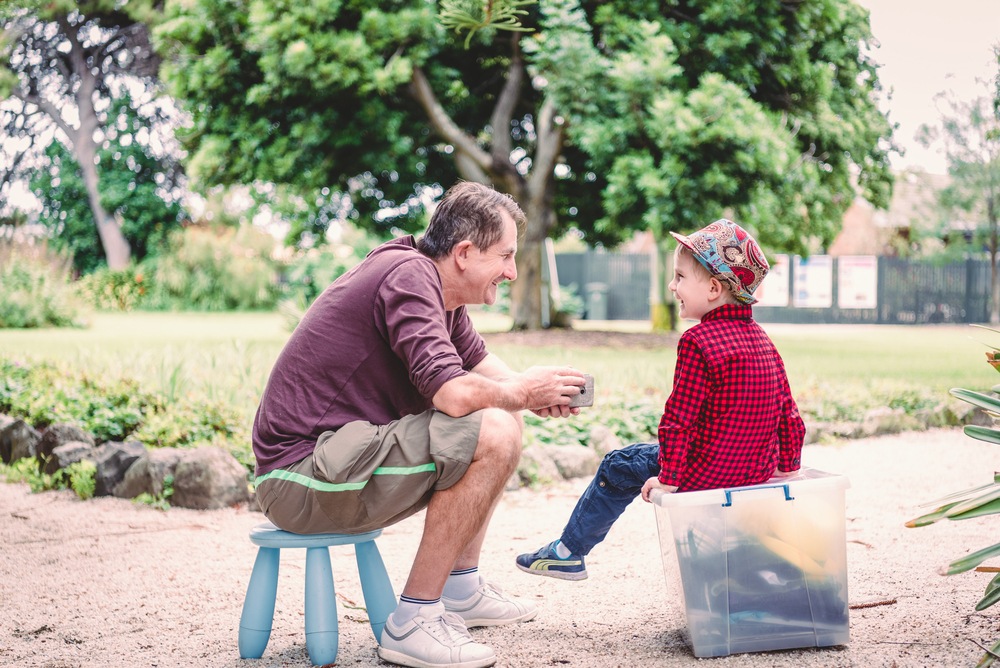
column 379, row 597
column 321, row 607
column 258, row 606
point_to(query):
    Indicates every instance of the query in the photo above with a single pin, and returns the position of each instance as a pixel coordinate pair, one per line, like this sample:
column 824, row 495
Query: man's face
column 486, row 269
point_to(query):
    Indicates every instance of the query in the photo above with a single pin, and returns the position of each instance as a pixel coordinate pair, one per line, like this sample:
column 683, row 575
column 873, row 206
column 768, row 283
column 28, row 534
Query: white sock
column 462, row 584
column 408, row 608
column 562, row 551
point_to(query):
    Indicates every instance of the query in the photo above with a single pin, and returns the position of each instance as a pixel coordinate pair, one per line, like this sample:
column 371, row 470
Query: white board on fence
column 857, row 281
column 813, row 281
column 773, row 290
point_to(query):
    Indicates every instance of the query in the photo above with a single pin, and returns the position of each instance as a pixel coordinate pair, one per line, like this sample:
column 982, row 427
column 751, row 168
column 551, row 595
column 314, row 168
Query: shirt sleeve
column 791, row 431
column 469, row 344
column 411, row 305
column 677, row 426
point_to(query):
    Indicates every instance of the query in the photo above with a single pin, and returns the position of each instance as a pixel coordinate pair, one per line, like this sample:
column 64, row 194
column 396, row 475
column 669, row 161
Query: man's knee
column 500, row 437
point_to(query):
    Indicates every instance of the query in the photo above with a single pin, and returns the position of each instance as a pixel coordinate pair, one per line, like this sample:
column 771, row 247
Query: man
column 385, row 401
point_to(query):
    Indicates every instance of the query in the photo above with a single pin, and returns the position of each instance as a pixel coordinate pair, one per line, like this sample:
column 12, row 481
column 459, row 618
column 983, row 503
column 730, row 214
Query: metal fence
column 616, row 287
column 908, row 293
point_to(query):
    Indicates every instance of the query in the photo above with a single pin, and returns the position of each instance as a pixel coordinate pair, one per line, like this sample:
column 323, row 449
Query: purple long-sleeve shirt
column 375, row 346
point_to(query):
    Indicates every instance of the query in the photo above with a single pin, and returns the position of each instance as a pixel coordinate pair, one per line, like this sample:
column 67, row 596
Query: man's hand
column 550, row 388
column 654, row 483
column 556, row 411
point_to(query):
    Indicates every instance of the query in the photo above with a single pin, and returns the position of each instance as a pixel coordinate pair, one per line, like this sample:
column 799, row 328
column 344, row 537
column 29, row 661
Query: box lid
column 806, row 481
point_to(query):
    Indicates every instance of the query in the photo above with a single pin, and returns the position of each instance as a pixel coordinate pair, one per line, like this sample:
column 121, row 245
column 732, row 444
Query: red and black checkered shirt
column 731, row 419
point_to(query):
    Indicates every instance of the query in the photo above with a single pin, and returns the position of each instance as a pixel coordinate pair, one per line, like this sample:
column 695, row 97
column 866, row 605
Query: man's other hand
column 551, row 388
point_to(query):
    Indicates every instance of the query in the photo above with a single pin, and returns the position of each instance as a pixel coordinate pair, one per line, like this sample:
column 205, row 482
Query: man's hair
column 703, row 272
column 470, row 211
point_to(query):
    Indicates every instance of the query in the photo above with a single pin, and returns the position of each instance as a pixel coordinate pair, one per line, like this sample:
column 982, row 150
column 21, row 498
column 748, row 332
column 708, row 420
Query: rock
column 113, row 459
column 17, row 441
column 68, row 453
column 147, row 473
column 603, row 440
column 814, row 430
column 574, row 461
column 209, row 478
column 885, row 420
column 58, row 434
column 536, row 467
column 513, row 483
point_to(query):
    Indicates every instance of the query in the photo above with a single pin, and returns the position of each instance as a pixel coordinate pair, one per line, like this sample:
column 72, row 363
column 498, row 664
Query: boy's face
column 696, row 293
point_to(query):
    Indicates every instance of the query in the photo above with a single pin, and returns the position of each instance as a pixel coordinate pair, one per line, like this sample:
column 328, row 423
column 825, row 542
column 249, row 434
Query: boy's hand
column 654, row 483
column 785, row 474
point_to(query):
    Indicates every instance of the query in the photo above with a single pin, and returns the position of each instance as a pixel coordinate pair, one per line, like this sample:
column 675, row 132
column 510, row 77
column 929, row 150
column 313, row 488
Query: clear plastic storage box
column 760, row 567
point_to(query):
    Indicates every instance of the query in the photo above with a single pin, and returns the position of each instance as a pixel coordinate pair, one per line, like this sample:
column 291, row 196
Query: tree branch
column 506, row 102
column 49, row 109
column 421, row 90
column 550, row 139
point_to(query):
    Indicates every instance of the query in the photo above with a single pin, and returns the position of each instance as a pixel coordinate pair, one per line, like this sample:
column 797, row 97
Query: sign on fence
column 773, row 290
column 857, row 281
column 813, row 281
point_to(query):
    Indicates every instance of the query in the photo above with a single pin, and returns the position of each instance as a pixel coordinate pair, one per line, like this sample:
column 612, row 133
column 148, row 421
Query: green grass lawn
column 228, row 356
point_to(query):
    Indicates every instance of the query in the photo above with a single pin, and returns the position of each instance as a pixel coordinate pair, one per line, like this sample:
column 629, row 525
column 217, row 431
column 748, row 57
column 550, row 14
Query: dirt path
column 109, row 583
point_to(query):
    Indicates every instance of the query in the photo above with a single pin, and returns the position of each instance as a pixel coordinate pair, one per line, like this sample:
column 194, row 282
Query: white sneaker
column 489, row 607
column 434, row 638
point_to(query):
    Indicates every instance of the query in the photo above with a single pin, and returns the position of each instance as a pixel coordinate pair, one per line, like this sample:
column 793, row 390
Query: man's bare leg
column 457, row 517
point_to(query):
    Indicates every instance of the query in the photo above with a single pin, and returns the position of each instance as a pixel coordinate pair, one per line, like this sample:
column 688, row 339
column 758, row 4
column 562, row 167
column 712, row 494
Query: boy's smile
column 696, row 293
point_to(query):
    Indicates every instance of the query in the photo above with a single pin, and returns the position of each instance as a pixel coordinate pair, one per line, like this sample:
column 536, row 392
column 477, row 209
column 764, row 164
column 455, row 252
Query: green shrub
column 308, row 275
column 215, row 270
column 162, row 501
column 47, row 392
column 80, row 477
column 111, row 290
column 34, row 286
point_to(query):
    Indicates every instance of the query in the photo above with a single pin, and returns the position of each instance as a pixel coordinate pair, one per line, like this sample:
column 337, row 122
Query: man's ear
column 461, row 253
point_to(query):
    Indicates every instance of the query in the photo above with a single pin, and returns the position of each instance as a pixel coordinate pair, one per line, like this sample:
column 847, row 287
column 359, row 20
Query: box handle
column 729, row 493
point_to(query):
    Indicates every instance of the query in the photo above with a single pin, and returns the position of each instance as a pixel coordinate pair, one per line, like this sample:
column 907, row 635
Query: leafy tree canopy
column 608, row 116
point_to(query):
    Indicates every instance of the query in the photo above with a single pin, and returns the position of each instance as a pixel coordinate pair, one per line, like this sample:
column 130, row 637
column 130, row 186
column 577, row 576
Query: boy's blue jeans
column 618, row 481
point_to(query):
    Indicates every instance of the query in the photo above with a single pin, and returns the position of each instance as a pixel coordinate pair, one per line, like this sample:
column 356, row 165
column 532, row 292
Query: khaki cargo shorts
column 364, row 476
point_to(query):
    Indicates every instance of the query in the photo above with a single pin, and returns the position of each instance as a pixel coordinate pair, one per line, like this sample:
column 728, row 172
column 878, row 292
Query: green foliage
column 34, row 286
column 214, row 270
column 131, row 184
column 111, row 290
column 633, row 419
column 49, row 392
column 473, row 15
column 984, row 500
column 669, row 117
column 82, row 478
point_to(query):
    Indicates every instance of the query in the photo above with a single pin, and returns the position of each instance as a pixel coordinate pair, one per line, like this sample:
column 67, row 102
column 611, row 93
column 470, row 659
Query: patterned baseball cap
column 731, row 255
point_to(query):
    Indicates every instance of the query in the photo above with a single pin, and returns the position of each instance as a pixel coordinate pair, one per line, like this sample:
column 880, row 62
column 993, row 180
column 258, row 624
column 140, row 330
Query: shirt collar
column 729, row 312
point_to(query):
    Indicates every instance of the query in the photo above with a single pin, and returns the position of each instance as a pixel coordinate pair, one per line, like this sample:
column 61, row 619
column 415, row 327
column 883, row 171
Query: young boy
column 730, row 419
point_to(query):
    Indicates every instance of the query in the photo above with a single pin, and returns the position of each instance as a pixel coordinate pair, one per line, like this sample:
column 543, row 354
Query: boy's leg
column 618, row 481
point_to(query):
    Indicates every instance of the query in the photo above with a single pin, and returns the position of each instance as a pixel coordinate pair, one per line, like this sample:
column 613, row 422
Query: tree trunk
column 534, row 194
column 116, row 248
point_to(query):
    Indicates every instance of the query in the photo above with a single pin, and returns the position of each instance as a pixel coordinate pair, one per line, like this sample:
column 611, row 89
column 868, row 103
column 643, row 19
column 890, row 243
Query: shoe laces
column 449, row 629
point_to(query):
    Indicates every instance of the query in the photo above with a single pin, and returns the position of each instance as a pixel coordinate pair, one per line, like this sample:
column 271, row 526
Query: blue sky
column 930, row 46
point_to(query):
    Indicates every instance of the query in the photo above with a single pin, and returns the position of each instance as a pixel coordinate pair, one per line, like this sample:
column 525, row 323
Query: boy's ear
column 716, row 289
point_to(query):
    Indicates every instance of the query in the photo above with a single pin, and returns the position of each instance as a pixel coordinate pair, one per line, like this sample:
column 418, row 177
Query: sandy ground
column 108, row 583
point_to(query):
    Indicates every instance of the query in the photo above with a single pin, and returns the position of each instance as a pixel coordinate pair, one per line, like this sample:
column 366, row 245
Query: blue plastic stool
column 321, row 604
